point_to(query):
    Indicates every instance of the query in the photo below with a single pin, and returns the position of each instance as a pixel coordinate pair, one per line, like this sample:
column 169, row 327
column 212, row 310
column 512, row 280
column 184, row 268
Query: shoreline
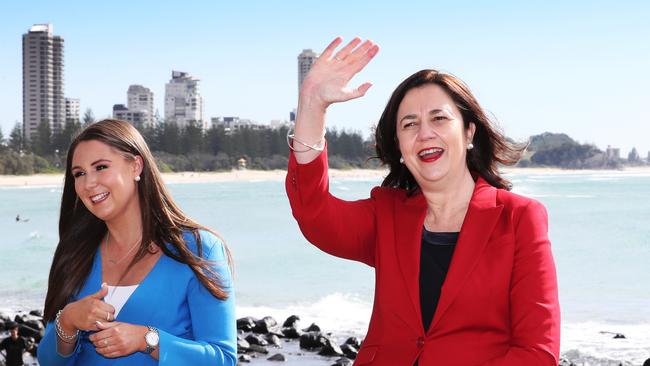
column 43, row 180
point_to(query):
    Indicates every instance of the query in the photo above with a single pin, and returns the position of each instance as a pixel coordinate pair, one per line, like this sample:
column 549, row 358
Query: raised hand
column 327, row 81
column 84, row 313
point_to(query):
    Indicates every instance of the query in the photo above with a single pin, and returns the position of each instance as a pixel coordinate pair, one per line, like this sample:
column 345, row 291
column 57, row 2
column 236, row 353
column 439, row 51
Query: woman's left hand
column 117, row 339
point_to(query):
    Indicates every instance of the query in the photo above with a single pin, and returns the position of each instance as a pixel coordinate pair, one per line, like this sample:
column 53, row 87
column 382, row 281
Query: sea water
column 599, row 225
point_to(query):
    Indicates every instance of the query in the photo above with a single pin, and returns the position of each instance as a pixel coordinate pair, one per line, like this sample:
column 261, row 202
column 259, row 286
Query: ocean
column 599, row 228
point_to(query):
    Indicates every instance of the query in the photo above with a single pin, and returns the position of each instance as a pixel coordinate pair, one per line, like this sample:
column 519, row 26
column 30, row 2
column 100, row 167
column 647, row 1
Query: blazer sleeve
column 342, row 228
column 534, row 303
column 47, row 350
column 213, row 321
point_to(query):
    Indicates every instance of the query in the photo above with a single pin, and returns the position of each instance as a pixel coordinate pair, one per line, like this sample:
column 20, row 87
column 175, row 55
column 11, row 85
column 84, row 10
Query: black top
column 435, row 256
column 15, row 349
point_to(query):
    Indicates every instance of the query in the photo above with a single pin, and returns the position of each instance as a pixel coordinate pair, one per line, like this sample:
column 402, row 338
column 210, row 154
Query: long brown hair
column 163, row 223
column 490, row 145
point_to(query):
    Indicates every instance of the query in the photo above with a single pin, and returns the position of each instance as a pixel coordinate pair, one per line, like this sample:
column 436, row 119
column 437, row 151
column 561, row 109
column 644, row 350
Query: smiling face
column 431, row 135
column 104, row 179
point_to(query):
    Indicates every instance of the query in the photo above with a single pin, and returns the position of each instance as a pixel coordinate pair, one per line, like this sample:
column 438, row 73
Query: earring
column 401, row 159
column 137, row 178
column 470, row 146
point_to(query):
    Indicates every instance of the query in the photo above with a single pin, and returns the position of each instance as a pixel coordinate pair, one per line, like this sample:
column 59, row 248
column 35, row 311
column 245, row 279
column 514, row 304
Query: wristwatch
column 151, row 338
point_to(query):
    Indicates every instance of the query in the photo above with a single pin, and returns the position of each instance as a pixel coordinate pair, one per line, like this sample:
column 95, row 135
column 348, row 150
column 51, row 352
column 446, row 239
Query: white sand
column 279, row 175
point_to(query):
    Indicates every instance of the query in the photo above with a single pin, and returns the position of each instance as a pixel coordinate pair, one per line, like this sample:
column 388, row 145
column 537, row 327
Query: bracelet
column 61, row 333
column 292, row 137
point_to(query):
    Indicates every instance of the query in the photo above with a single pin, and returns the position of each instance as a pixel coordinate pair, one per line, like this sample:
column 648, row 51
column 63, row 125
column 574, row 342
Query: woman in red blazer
column 464, row 270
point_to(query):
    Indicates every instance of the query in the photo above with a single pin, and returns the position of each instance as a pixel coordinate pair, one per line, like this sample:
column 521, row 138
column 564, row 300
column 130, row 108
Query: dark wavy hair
column 490, row 145
column 163, row 223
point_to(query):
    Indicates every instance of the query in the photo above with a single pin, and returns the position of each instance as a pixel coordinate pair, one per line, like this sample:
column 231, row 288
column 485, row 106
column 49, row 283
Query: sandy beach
column 39, row 180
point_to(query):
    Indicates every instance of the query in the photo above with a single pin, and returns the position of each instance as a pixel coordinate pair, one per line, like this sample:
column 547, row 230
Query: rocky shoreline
column 267, row 341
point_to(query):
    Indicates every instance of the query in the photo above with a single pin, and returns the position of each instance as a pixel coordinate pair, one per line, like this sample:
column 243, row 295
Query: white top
column 118, row 295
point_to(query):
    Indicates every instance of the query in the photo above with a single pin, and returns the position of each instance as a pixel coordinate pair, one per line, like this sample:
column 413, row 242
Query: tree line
column 188, row 148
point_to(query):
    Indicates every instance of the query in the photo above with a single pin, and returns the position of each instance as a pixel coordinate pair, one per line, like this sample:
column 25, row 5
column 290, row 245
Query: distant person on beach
column 14, row 346
column 134, row 281
column 464, row 270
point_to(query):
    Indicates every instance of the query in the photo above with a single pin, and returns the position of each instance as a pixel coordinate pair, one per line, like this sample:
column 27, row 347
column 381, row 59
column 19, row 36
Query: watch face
column 151, row 338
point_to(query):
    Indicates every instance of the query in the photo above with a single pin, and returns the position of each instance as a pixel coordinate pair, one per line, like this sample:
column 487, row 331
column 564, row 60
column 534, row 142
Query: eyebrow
column 413, row 116
column 93, row 164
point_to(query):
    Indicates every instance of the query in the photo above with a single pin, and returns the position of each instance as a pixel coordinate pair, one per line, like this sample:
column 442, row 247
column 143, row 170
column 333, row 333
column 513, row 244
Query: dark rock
column 349, row 351
column 242, row 345
column 277, row 357
column 291, row 321
column 291, row 332
column 312, row 328
column 246, row 324
column 264, row 325
column 38, row 313
column 4, row 317
column 25, row 330
column 256, row 339
column 257, row 348
column 240, row 332
column 619, row 336
column 647, row 362
column 312, row 340
column 330, row 349
column 354, row 341
column 565, row 362
column 342, row 362
column 273, row 340
column 244, row 358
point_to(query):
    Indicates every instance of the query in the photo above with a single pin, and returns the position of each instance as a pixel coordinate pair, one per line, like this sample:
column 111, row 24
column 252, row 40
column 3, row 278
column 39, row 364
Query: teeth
column 430, row 151
column 99, row 197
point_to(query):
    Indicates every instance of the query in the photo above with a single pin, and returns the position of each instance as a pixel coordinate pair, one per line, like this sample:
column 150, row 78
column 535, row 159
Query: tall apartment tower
column 305, row 60
column 43, row 98
column 72, row 109
column 140, row 99
column 183, row 101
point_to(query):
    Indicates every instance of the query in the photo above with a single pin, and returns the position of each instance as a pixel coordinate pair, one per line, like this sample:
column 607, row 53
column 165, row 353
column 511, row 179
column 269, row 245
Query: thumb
column 361, row 90
column 103, row 291
column 102, row 326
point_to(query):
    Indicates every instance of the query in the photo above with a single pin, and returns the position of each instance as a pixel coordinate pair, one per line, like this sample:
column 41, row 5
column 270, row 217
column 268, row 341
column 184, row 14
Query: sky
column 576, row 67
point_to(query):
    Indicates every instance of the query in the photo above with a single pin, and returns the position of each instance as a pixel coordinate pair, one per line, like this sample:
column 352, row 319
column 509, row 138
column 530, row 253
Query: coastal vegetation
column 192, row 149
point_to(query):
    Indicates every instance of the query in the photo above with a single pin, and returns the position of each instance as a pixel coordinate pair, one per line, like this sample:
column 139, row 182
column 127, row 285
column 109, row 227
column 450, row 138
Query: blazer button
column 420, row 342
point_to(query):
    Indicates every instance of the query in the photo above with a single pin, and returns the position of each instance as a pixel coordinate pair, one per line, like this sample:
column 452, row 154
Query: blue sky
column 579, row 67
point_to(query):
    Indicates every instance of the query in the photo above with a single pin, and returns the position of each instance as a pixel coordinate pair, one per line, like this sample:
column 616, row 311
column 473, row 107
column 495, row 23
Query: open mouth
column 430, row 154
column 98, row 198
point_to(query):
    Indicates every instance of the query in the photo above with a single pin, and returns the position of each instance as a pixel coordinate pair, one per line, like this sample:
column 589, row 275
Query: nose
column 90, row 181
column 426, row 131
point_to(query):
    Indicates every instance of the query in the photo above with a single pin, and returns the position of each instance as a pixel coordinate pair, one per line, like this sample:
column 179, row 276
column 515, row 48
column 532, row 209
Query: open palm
column 327, row 81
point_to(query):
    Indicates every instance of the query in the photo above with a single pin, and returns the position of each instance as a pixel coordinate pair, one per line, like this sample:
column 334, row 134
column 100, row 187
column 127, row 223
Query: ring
column 105, row 343
column 108, row 316
column 337, row 59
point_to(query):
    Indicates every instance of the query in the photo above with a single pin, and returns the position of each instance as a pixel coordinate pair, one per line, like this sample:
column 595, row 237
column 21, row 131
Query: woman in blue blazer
column 133, row 281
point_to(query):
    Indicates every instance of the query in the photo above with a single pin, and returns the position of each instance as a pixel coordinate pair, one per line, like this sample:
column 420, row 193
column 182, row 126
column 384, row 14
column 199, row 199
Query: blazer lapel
column 482, row 215
column 409, row 220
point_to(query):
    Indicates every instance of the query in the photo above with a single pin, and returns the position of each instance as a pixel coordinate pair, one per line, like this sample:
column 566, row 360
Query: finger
column 361, row 63
column 360, row 51
column 104, row 326
column 103, row 291
column 331, row 47
column 345, row 51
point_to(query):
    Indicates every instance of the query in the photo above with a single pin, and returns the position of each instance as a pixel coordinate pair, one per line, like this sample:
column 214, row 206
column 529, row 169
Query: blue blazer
column 195, row 327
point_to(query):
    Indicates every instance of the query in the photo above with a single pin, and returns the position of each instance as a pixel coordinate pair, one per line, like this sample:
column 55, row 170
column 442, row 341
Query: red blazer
column 499, row 302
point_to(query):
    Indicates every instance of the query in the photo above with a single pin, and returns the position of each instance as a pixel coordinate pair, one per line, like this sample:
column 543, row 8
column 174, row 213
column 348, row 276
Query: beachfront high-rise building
column 136, row 118
column 305, row 60
column 43, row 98
column 183, row 101
column 72, row 109
column 140, row 99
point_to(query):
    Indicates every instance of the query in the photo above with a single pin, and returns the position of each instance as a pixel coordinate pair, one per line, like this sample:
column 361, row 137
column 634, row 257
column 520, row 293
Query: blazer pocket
column 366, row 355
